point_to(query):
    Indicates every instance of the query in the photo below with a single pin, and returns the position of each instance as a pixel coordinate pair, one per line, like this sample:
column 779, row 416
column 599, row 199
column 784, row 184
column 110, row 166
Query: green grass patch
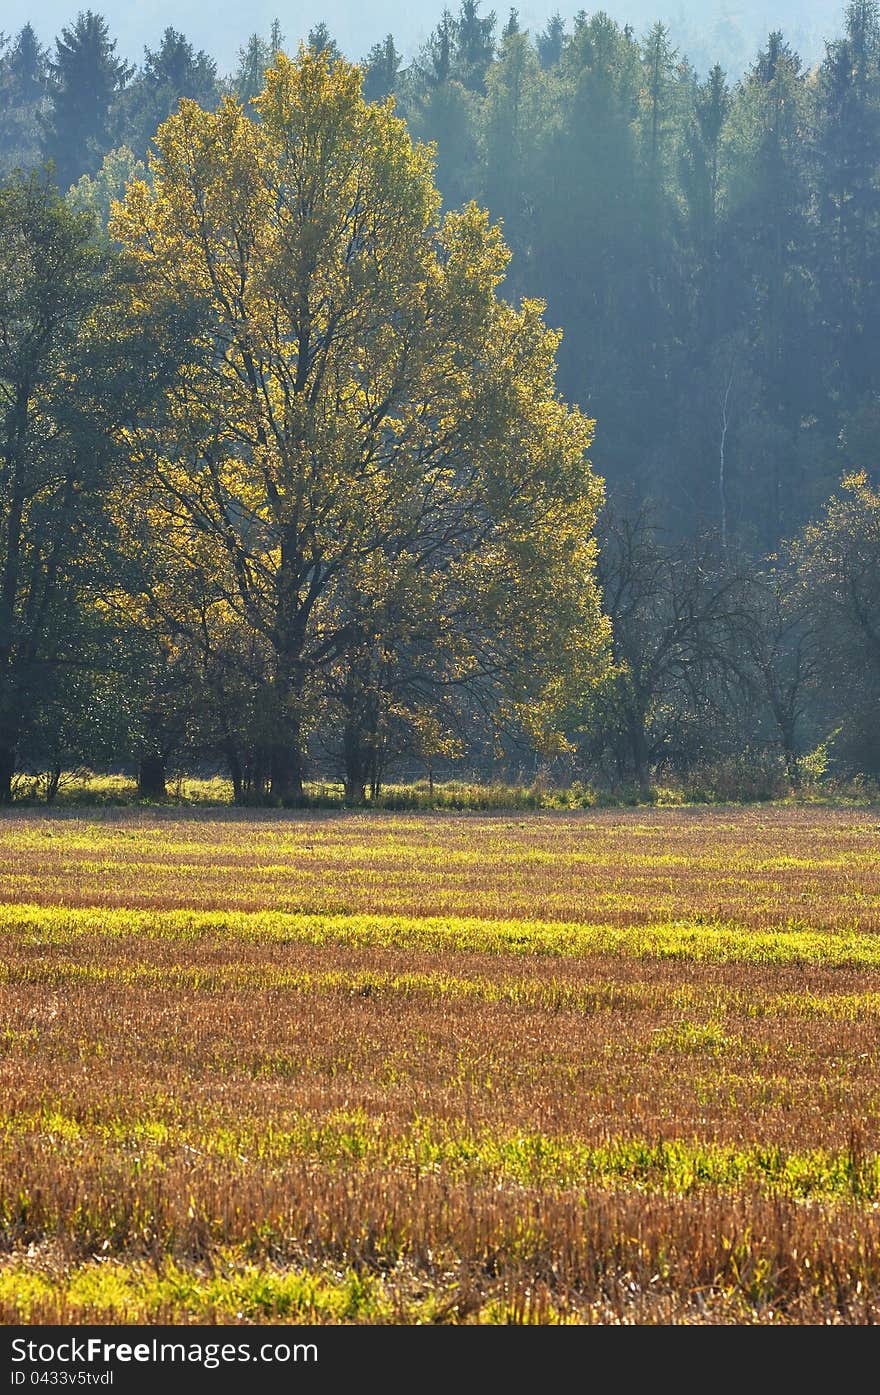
column 717, row 942
column 342, row 1140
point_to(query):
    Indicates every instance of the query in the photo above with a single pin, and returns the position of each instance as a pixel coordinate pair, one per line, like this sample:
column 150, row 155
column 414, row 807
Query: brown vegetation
column 524, row 1136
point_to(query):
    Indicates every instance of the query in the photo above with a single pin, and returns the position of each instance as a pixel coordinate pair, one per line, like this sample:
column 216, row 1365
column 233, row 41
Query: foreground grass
column 44, row 1289
column 85, row 789
column 303, row 1069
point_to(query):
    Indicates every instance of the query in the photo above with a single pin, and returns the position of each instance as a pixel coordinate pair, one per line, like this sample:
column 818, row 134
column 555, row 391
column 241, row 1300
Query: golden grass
column 605, row 1067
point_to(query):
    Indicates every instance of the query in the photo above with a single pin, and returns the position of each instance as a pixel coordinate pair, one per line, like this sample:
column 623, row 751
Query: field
column 616, row 1066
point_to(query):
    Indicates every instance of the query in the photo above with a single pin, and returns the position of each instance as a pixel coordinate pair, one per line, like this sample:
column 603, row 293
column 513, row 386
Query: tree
column 838, row 566
column 588, row 239
column 765, row 241
column 447, row 114
column 438, row 54
column 172, row 71
column 95, row 194
column 85, row 77
column 57, row 396
column 355, row 392
column 381, row 67
column 658, row 57
column 461, row 48
column 700, row 174
column 782, row 644
column 26, row 68
column 678, row 622
column 23, row 82
column 665, row 84
column 512, row 25
column 475, row 44
column 322, row 41
column 847, row 122
column 511, row 136
column 253, row 59
column 550, row 41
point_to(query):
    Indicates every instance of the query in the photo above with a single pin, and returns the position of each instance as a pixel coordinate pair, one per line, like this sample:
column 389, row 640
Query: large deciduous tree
column 838, row 566
column 679, row 622
column 357, row 403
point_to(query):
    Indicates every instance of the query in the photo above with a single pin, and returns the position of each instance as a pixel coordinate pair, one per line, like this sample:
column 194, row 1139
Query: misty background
column 723, row 32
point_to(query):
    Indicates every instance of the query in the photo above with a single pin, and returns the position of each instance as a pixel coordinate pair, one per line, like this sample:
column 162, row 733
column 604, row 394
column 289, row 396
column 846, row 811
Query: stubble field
column 614, row 1066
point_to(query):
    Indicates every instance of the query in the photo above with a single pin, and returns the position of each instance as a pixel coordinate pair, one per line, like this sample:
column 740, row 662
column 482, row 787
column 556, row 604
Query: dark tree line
column 712, row 251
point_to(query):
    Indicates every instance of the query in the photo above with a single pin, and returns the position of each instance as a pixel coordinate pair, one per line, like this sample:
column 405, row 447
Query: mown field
column 614, row 1066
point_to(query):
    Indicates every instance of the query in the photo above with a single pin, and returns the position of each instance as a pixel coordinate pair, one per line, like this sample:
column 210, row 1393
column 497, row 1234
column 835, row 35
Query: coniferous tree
column 551, row 40
column 510, row 122
column 588, row 239
column 700, row 180
column 253, row 60
column 475, row 44
column 68, row 378
column 85, row 78
column 765, row 247
column 321, row 41
column 435, row 61
column 172, row 71
column 381, row 68
column 848, row 201
column 24, row 74
column 26, row 68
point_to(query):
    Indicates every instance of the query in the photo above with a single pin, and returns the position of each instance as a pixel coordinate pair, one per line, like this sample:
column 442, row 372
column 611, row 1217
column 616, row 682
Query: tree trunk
column 375, row 780
column 790, row 756
column 53, row 780
column 151, row 776
column 235, row 773
column 640, row 756
column 7, row 771
column 285, row 753
column 286, row 771
column 356, row 761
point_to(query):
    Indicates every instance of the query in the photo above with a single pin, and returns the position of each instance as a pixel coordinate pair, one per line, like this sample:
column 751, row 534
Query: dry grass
column 608, row 1067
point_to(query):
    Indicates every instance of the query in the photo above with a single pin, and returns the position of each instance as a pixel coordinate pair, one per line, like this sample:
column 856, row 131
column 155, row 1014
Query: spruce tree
column 85, row 78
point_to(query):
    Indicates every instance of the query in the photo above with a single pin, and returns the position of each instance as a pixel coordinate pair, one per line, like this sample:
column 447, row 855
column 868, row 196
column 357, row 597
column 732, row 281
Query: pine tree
column 700, row 173
column 172, row 71
column 437, row 55
column 85, row 77
column 475, row 45
column 510, row 121
column 26, row 66
column 765, row 251
column 512, row 25
column 24, row 76
column 551, row 40
column 848, row 199
column 253, row 60
column 381, row 67
column 322, row 41
column 588, row 233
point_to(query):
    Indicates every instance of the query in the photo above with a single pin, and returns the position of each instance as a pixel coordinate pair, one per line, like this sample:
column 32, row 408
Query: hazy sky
column 220, row 26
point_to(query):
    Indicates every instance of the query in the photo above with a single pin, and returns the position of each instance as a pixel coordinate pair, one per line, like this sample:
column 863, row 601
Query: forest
column 511, row 411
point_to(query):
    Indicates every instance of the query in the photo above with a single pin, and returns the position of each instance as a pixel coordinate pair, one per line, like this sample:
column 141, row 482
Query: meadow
column 606, row 1066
